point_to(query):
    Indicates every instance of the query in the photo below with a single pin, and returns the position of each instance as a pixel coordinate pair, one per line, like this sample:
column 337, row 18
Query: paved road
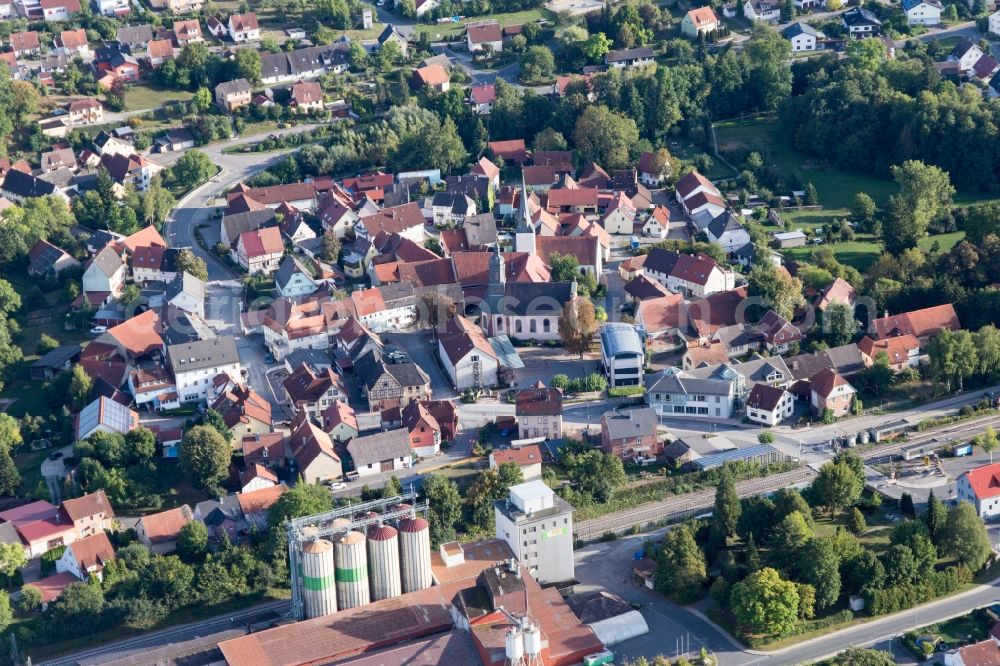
column 255, row 615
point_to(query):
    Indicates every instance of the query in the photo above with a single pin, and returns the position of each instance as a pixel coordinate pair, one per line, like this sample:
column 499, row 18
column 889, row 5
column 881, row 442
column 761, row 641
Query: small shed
column 51, row 364
column 788, row 239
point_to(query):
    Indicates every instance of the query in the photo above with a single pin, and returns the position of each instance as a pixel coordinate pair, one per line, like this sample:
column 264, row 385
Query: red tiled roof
column 921, row 323
column 722, row 308
column 72, row 39
column 662, row 313
column 765, row 397
column 394, row 219
column 583, row 248
column 258, row 501
column 243, row 22
column 160, row 48
column 94, row 550
column 703, row 16
column 838, row 291
column 538, row 402
column 53, row 586
column 139, row 335
column 485, row 168
column 166, row 525
column 511, row 149
column 487, row 32
column 262, row 242
column 897, row 348
column 522, row 455
column 561, row 197
column 483, row 94
column 91, row 504
column 337, row 413
column 985, row 480
column 825, row 381
column 432, row 75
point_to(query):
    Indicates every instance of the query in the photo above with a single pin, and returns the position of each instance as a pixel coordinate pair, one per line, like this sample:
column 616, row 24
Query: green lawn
column 149, row 97
column 440, row 31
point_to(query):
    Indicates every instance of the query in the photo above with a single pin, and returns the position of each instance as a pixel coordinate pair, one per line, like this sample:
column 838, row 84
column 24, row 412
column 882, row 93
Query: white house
column 923, row 12
column 994, row 23
column 292, row 279
column 484, row 37
column 196, row 364
column 105, row 272
column 381, row 452
column 727, row 231
column 259, row 251
column 244, row 28
column 803, row 37
column 981, row 488
column 87, row 556
column 676, row 392
column 761, row 10
column 623, row 354
column 769, row 405
column 390, row 307
column 860, row 22
column 467, row 356
column 966, row 53
column 619, row 217
column 694, row 276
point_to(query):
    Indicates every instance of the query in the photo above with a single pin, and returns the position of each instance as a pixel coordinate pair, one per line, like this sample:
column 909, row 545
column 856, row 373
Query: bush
column 626, row 391
column 609, row 536
column 560, row 381
column 766, row 437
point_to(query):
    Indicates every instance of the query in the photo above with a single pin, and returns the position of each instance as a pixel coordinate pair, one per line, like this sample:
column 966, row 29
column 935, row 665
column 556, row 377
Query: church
column 523, row 310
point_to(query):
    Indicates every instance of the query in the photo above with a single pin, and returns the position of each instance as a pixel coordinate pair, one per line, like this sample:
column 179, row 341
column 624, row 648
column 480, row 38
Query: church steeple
column 497, row 268
column 524, row 235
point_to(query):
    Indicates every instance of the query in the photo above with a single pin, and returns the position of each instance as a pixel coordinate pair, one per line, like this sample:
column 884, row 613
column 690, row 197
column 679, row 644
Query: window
column 532, row 327
column 546, row 325
column 517, row 326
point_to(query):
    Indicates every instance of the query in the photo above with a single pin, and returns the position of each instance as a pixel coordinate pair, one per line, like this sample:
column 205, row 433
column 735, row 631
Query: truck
column 599, row 658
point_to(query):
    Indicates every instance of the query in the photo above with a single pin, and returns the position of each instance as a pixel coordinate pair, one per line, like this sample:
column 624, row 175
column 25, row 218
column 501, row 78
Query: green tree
column 187, row 262
column 140, row 444
column 31, row 599
column 819, row 566
column 836, row 487
column 214, row 419
column 205, row 455
column 839, row 325
column 768, row 77
column 790, row 536
column 727, row 508
column 906, row 505
column 192, row 542
column 595, row 473
column 10, row 433
column 596, row 47
column 935, row 516
column 445, row 507
column 10, row 478
column 491, row 485
column 752, row 556
column 12, row 559
column 989, row 442
column 860, row 656
column 681, row 571
column 157, row 202
column 393, row 488
column 914, row 535
column 331, row 246
column 577, row 325
column 878, row 377
column 856, row 522
column 866, row 56
column 863, row 573
column 964, row 537
column 605, row 136
column 550, row 139
column 537, row 65
column 863, row 209
column 201, row 101
column 765, row 604
column 6, row 613
column 772, row 289
column 924, row 192
column 80, row 386
column 900, row 568
column 301, row 499
column 46, row 343
column 191, row 170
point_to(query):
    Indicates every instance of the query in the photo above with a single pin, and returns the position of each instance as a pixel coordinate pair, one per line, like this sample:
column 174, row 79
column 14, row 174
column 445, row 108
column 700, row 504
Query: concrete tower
column 524, row 235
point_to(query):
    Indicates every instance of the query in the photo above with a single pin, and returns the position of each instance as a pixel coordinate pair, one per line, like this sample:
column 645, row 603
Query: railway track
column 679, row 507
column 951, row 433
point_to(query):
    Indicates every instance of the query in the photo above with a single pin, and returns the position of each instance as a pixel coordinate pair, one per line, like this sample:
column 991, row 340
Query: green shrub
column 626, row 391
column 766, row 437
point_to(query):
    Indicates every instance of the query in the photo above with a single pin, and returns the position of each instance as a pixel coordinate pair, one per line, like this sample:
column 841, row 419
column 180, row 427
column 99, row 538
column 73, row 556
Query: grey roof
column 107, row 261
column 188, row 284
column 389, row 31
column 250, row 221
column 910, row 4
column 724, row 222
column 201, row 354
column 846, row 360
column 176, row 135
column 289, row 267
column 25, row 185
column 314, row 358
column 620, row 338
column 229, row 506
column 629, row 54
column 633, row 423
column 533, row 298
column 457, row 202
column 408, row 374
column 677, row 449
column 755, row 370
column 134, row 34
column 373, row 449
column 302, row 61
column 233, row 87
column 8, row 534
column 800, row 28
column 860, row 16
column 591, row 607
column 714, row 460
column 480, row 229
column 58, row 357
column 677, row 382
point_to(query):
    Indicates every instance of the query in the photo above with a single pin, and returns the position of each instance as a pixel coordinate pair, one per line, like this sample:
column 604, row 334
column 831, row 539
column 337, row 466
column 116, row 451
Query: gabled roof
column 540, row 401
column 763, row 396
column 166, row 525
column 235, row 87
column 461, row 336
column 691, row 182
column 259, row 501
column 91, row 504
column 244, row 22
column 373, row 449
column 921, row 323
column 305, row 385
column 201, row 354
column 309, row 442
column 25, row 185
column 984, row 481
column 262, row 242
column 338, row 413
column 485, row 93
column 134, row 34
column 92, row 551
column 640, row 422
column 838, row 291
column 107, row 413
column 702, row 16
column 859, row 16
column 641, row 288
column 722, row 308
column 800, row 28
column 623, row 55
column 896, row 348
column 139, row 335
column 240, row 404
column 825, row 381
column 485, row 32
column 662, row 313
column 723, row 223
column 432, row 75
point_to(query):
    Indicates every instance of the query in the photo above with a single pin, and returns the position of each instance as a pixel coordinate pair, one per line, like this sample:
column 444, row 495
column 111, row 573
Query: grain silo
column 383, row 562
column 351, row 570
column 319, row 594
column 415, row 554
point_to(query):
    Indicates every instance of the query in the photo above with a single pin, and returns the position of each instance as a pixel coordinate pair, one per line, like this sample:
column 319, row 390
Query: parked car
column 337, row 485
column 97, row 330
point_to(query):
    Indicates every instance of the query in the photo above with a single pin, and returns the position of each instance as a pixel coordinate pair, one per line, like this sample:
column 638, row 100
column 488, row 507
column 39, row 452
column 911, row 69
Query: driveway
column 53, row 471
column 418, row 348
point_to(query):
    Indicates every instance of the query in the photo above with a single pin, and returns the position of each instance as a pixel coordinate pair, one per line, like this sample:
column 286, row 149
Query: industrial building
column 372, row 591
column 538, row 526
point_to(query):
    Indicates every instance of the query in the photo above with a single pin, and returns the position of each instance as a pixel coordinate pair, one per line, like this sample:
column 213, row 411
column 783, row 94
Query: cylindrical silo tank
column 532, row 641
column 352, row 570
column 383, row 562
column 514, row 646
column 415, row 554
column 319, row 594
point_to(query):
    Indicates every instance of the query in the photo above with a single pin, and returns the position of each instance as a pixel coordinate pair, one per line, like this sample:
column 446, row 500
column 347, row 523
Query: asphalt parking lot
column 541, row 363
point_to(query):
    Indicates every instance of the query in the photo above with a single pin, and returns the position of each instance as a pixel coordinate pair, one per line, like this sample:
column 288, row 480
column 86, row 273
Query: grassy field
column 149, row 97
column 441, row 31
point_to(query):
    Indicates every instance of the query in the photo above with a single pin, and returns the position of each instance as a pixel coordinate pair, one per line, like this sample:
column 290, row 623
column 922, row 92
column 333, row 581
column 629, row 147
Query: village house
column 769, row 405
column 313, row 391
column 860, row 22
column 619, row 216
column 392, row 34
column 727, row 231
column 528, row 457
column 631, row 434
column 105, row 273
column 482, row 97
column 381, row 452
column 232, row 95
column 922, row 12
column 678, row 392
column 159, row 531
column 699, row 21
column 187, row 32
column 629, row 58
column 314, row 453
column 467, row 356
column 922, row 324
column 539, row 413
column 423, row 428
column 761, row 10
column 484, row 37
column 47, row 261
column 259, row 251
column 59, row 10
column 306, row 97
column 86, row 111
column 903, row 351
column 804, row 37
column 693, row 276
column 87, row 556
column 90, row 514
column 980, row 487
column 244, row 411
column 339, row 421
column 197, row 364
column 72, row 43
column 830, row 391
column 388, row 385
column 255, row 505
column 243, row 28
column 25, row 44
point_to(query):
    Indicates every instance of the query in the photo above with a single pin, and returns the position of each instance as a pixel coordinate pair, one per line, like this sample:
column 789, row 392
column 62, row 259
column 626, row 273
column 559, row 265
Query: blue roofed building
column 622, row 354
